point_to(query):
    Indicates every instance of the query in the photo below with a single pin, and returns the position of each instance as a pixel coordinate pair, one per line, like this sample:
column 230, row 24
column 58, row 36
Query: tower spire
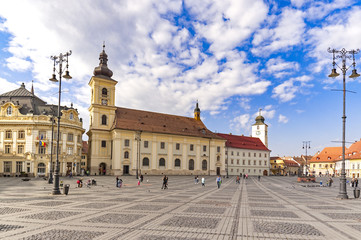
column 32, row 87
column 102, row 69
column 197, row 112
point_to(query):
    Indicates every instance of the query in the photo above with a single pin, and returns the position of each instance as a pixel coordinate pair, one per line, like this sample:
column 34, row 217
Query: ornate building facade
column 26, row 135
column 127, row 141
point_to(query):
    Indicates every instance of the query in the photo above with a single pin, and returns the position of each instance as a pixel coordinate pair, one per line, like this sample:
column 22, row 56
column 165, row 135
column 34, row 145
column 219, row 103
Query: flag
column 42, row 143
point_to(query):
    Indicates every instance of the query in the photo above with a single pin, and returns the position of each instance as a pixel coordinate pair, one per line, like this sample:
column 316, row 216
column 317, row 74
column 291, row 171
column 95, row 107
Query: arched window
column 177, row 163
column 9, row 111
column 204, row 165
column 145, row 161
column 162, row 162
column 104, row 92
column 126, row 154
column 71, row 116
column 191, row 164
column 41, row 168
column 218, row 158
column 104, row 120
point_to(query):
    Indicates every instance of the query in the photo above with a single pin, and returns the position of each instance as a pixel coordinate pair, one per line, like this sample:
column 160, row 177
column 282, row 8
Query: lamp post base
column 56, row 192
column 342, row 196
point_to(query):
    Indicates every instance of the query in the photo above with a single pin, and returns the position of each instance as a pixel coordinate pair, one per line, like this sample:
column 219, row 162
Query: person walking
column 356, row 182
column 219, row 181
column 237, row 180
column 117, row 181
column 203, row 182
column 141, row 178
column 353, row 182
column 164, row 182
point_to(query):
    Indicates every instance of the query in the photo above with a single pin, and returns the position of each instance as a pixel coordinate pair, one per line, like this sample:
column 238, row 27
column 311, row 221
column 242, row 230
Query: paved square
column 273, row 208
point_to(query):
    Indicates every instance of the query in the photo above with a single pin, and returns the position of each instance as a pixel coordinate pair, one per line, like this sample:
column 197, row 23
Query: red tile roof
column 328, row 154
column 243, row 142
column 138, row 120
column 291, row 163
column 354, row 151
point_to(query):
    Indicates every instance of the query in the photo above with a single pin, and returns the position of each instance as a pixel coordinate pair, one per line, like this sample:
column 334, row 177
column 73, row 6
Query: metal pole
column 51, row 151
column 227, row 162
column 343, row 191
column 56, row 190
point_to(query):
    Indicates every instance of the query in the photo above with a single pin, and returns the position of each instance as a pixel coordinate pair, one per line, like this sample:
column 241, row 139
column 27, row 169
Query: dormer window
column 71, row 116
column 9, row 111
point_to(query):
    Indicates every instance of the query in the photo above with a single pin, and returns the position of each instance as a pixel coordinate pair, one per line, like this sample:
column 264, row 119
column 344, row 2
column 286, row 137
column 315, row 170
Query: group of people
column 354, row 182
column 90, row 182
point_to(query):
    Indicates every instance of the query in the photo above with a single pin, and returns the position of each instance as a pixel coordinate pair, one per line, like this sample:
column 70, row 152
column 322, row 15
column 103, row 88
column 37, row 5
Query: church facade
column 126, row 141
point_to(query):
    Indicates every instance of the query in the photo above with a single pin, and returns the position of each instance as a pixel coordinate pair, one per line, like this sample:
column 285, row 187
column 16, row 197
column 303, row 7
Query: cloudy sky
column 233, row 56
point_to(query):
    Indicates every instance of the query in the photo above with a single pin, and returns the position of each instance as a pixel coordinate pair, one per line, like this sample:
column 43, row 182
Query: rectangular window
column 232, row 153
column 237, row 161
column 260, row 154
column 254, row 162
column 249, row 154
column 42, row 150
column 21, row 134
column 104, row 144
column 20, row 148
column 265, row 163
column 244, row 162
column 231, row 169
column 79, row 139
column 218, row 149
column 8, row 134
column 177, row 146
column 254, row 154
column 249, row 162
column 244, row 154
column 19, row 167
column 70, row 151
column 145, row 144
column 7, row 148
column 162, row 145
column 237, row 153
column 226, row 161
column 7, row 166
column 42, row 135
column 260, row 163
column 191, row 147
column 70, row 137
column 232, row 161
column 126, row 142
column 265, row 155
column 204, row 148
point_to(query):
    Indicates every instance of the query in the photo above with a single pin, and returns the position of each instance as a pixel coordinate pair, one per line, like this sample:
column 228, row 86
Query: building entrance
column 126, row 170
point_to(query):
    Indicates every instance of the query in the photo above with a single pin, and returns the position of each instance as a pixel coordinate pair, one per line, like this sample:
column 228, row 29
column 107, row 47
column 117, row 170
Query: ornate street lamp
column 343, row 54
column 306, row 144
column 59, row 60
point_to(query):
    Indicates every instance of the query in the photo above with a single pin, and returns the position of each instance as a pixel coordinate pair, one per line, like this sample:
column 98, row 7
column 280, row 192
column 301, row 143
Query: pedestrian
column 139, row 181
column 195, row 179
column 141, row 178
column 117, row 181
column 353, row 182
column 203, row 182
column 120, row 182
column 237, row 180
column 164, row 182
column 87, row 172
column 259, row 178
column 219, row 181
column 100, row 171
column 104, row 171
column 330, row 181
column 356, row 182
column 246, row 176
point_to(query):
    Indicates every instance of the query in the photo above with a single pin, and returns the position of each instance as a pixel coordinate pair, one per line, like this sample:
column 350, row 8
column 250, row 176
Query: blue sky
column 233, row 56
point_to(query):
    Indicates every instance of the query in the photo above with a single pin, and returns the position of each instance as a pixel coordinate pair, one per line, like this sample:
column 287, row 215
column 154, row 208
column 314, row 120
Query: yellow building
column 26, row 134
column 353, row 160
column 277, row 166
column 324, row 162
column 129, row 141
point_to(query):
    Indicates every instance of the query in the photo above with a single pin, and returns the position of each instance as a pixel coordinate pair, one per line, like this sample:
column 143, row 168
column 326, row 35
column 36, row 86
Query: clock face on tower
column 104, row 102
column 258, row 132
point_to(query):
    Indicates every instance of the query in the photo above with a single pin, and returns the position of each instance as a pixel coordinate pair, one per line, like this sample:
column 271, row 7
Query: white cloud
column 279, row 67
column 239, row 123
column 7, row 86
column 282, row 119
column 287, row 33
column 18, row 64
column 287, row 90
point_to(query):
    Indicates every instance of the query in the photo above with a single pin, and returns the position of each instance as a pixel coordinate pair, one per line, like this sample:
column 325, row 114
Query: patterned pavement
column 273, row 208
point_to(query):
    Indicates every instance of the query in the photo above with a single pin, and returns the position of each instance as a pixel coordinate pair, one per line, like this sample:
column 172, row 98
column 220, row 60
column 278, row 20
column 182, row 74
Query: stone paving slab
column 273, row 208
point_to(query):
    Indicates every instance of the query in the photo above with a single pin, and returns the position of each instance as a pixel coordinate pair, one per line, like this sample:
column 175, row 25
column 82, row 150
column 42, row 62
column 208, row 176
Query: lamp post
column 306, row 145
column 59, row 60
column 50, row 180
column 227, row 163
column 343, row 54
column 138, row 138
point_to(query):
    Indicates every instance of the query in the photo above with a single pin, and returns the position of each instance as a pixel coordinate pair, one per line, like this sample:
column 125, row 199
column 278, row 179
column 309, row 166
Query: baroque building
column 26, row 135
column 128, row 141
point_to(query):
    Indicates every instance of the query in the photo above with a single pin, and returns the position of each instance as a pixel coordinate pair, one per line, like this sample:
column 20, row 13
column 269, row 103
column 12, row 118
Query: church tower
column 197, row 113
column 260, row 129
column 102, row 115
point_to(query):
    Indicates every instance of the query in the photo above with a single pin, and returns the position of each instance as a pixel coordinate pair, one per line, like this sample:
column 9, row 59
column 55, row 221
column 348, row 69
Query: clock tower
column 259, row 129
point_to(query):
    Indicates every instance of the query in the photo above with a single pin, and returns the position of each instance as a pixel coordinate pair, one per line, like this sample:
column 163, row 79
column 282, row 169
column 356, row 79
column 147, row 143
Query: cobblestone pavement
column 273, row 208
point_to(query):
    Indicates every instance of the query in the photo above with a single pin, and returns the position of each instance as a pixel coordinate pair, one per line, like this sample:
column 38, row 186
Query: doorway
column 102, row 168
column 126, row 170
column 265, row 173
column 218, row 171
